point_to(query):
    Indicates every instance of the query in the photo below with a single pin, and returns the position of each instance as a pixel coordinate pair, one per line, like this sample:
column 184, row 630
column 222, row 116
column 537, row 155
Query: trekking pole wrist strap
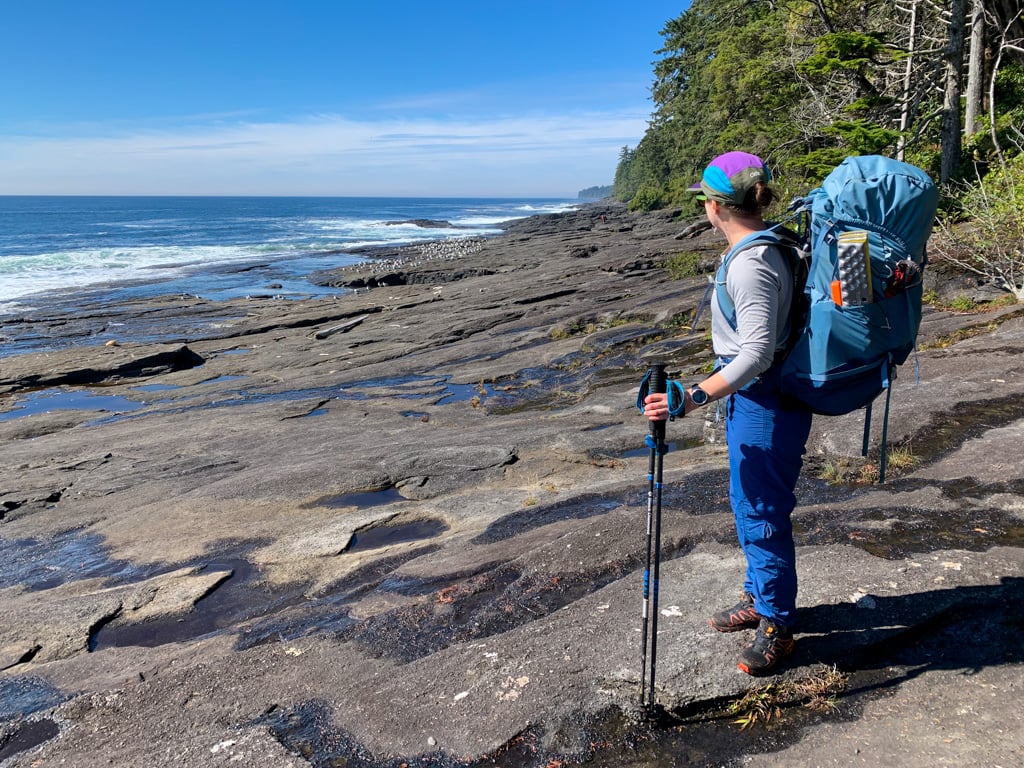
column 675, row 396
column 645, row 389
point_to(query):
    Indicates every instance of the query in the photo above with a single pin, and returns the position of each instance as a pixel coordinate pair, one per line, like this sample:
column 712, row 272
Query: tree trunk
column 908, row 81
column 954, row 64
column 975, row 70
column 1004, row 45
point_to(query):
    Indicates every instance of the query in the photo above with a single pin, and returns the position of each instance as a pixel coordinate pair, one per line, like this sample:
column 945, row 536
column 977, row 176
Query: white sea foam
column 367, row 232
column 533, row 210
column 487, row 224
column 59, row 271
column 489, row 221
column 64, row 270
column 62, row 246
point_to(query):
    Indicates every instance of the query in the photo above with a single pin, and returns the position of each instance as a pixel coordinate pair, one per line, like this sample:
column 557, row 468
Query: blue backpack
column 857, row 273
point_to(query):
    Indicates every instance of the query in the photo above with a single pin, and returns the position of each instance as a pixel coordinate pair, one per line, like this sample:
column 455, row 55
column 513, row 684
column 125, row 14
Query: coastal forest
column 806, row 83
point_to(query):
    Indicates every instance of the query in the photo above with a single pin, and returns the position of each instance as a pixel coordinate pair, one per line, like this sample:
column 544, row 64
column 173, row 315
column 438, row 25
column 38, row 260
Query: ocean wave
column 534, row 210
column 26, row 275
column 58, row 246
column 486, row 224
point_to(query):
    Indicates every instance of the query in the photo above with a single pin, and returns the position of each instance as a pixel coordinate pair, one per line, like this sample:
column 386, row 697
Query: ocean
column 55, row 251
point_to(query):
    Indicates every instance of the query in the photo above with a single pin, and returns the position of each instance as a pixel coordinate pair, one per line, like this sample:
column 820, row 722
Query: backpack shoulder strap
column 764, row 237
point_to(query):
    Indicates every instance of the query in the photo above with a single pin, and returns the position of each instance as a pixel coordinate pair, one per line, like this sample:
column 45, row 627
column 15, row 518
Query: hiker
column 766, row 441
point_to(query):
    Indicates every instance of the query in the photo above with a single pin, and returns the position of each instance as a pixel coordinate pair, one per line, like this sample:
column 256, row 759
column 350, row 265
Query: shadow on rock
column 308, row 730
column 964, row 628
column 524, row 520
column 484, row 605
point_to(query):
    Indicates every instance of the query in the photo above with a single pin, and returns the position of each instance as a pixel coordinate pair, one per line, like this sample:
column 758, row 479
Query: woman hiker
column 766, row 441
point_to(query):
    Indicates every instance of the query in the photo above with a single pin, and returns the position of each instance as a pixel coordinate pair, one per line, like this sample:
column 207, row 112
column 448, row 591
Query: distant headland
column 595, row 193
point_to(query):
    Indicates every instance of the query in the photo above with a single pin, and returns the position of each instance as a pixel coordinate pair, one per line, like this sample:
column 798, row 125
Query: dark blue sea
column 56, row 250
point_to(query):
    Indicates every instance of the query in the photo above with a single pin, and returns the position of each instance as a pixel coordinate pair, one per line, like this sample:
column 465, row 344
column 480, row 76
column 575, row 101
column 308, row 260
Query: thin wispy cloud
column 523, row 99
column 328, row 154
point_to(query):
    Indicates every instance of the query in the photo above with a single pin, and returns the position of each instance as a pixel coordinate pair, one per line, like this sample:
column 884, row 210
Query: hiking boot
column 740, row 616
column 771, row 643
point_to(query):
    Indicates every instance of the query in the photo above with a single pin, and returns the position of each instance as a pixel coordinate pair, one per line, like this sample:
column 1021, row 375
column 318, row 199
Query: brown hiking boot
column 740, row 616
column 771, row 643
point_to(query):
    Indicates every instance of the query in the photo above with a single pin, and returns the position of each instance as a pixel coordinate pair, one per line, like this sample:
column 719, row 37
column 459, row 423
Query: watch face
column 699, row 396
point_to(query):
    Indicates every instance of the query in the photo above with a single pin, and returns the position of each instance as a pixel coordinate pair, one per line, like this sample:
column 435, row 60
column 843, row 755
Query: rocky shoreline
column 404, row 526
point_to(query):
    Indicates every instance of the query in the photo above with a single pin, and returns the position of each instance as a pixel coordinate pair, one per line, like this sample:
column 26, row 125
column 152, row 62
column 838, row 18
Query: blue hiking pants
column 766, row 446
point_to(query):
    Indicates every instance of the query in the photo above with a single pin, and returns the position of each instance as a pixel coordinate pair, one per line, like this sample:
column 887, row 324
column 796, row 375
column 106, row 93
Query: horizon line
column 310, row 196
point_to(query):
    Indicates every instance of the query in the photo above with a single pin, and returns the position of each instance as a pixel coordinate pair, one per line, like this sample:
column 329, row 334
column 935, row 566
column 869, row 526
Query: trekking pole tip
column 654, row 715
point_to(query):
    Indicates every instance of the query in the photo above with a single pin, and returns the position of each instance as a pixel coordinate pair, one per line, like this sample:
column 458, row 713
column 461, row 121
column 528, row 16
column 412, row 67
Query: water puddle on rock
column 386, row 535
column 23, row 695
column 953, row 427
column 707, row 493
column 20, row 697
column 362, row 499
column 28, row 735
column 546, row 387
column 495, row 600
column 241, row 604
column 44, row 564
column 156, row 387
column 464, row 393
column 329, row 612
column 645, row 450
column 434, row 390
column 234, row 600
column 221, row 379
column 48, row 400
column 465, row 610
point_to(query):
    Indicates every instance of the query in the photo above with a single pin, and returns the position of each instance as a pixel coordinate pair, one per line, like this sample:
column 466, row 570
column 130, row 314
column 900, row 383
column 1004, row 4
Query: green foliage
column 870, row 104
column 992, row 245
column 675, row 192
column 847, row 51
column 709, row 81
column 817, row 163
column 804, row 85
column 647, row 198
column 1010, row 89
column 927, row 157
column 595, row 193
column 963, row 304
column 1009, row 117
column 863, row 137
column 684, row 264
column 624, row 186
column 682, row 322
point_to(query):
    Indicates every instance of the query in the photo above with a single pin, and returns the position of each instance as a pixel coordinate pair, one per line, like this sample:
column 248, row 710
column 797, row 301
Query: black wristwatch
column 698, row 396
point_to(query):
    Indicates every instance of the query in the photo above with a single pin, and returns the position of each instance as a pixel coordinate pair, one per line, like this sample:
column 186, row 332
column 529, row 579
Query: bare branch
column 1004, row 45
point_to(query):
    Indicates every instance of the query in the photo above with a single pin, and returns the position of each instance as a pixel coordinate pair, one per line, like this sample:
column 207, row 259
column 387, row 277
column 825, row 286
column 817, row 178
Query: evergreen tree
column 804, row 83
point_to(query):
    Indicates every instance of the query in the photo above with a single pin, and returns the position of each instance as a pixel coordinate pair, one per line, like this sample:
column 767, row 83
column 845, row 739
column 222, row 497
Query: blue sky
column 335, row 97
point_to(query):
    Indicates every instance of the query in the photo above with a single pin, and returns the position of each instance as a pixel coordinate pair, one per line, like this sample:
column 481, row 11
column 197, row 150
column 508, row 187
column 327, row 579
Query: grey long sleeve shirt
column 761, row 289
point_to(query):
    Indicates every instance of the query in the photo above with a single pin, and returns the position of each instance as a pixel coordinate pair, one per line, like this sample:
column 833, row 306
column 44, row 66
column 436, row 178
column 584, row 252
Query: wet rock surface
column 405, row 526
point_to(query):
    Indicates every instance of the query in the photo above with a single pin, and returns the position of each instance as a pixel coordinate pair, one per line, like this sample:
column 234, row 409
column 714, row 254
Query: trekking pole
column 656, row 440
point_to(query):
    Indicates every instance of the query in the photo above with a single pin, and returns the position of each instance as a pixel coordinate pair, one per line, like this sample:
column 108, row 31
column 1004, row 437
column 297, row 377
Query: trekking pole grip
column 658, row 384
